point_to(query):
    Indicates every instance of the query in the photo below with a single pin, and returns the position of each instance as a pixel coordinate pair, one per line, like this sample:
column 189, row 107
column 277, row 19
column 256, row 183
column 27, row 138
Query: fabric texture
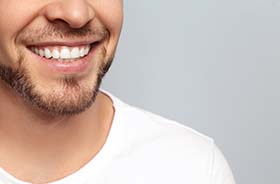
column 146, row 148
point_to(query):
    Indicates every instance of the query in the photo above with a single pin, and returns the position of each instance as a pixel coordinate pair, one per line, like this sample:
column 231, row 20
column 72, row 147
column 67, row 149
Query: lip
column 78, row 66
column 62, row 43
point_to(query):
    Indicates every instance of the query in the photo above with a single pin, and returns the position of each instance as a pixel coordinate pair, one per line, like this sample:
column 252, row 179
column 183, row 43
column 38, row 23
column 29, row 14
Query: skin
column 44, row 142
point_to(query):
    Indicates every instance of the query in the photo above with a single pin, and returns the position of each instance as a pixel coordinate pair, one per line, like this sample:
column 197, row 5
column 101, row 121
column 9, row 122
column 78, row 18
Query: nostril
column 59, row 23
column 63, row 27
column 64, row 24
column 74, row 13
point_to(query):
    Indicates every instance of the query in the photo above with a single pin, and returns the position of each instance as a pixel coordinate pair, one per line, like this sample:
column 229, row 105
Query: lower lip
column 65, row 67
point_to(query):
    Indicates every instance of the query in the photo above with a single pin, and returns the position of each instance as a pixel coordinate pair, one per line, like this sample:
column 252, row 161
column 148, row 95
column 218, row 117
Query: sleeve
column 220, row 171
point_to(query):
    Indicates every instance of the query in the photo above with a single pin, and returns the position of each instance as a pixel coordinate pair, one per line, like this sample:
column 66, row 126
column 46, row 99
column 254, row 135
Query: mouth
column 62, row 53
column 66, row 58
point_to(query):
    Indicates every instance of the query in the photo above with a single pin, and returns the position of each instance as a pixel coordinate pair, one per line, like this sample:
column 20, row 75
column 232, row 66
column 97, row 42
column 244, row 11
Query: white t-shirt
column 143, row 148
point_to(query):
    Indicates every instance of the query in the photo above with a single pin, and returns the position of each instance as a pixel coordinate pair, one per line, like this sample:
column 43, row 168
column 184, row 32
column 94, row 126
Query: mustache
column 58, row 32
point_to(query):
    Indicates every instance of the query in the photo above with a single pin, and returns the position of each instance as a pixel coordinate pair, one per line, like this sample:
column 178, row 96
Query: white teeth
column 75, row 53
column 36, row 51
column 82, row 52
column 55, row 54
column 87, row 50
column 62, row 53
column 41, row 53
column 48, row 53
column 65, row 53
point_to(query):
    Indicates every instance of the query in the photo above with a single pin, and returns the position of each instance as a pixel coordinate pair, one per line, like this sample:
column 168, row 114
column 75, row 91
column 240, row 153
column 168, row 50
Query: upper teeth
column 62, row 53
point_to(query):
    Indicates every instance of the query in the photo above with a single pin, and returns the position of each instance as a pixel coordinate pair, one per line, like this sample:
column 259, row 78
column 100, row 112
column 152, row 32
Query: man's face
column 54, row 53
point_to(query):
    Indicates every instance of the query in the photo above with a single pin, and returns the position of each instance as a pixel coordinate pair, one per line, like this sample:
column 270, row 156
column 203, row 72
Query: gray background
column 212, row 65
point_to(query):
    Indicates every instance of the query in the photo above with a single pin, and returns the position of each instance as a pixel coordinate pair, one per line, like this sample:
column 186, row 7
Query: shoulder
column 151, row 143
column 151, row 135
column 167, row 144
column 156, row 128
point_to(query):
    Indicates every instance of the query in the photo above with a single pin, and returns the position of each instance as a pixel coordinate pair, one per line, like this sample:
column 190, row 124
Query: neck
column 52, row 147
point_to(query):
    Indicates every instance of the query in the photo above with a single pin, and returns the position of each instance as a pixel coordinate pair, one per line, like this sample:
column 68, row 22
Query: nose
column 76, row 13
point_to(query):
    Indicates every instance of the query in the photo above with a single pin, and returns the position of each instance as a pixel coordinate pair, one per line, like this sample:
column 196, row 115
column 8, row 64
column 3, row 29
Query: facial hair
column 74, row 98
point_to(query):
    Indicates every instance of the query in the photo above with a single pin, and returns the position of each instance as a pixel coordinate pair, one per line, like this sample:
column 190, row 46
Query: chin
column 68, row 95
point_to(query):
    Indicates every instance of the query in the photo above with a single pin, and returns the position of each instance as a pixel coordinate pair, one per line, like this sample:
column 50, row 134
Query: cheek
column 110, row 12
column 14, row 16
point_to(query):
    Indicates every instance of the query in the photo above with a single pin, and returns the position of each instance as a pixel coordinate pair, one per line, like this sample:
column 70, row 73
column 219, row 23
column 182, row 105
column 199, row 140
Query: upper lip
column 70, row 43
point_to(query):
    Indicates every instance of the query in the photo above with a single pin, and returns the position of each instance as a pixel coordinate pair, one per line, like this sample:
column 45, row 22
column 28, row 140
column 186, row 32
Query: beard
column 70, row 98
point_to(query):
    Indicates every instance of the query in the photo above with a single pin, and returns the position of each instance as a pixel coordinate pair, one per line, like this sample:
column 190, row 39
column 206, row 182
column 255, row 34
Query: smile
column 65, row 57
column 62, row 53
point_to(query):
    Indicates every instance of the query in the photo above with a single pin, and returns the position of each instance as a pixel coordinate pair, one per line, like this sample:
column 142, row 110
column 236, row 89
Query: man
column 56, row 126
